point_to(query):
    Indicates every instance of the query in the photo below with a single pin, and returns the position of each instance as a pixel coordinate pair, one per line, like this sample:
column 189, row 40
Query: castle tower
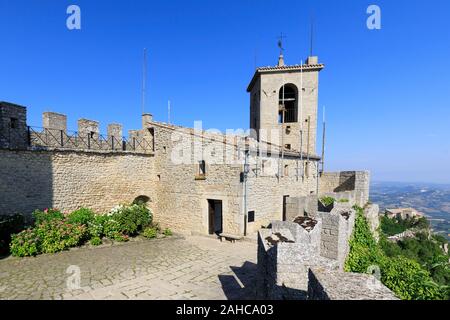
column 284, row 102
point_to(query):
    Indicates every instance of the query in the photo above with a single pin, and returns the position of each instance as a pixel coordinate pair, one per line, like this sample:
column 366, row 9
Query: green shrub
column 60, row 235
column 364, row 251
column 150, row 233
column 327, row 201
column 167, row 232
column 408, row 280
column 81, row 216
column 25, row 244
column 47, row 215
column 96, row 226
column 96, row 241
column 111, row 228
column 131, row 219
column 404, row 276
column 9, row 225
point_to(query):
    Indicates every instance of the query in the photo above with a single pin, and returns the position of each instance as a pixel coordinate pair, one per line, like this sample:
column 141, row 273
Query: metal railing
column 45, row 138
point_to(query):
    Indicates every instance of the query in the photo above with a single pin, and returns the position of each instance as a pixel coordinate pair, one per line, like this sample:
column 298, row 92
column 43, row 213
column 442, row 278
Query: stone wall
column 324, row 284
column 337, row 228
column 265, row 101
column 372, row 214
column 305, row 260
column 355, row 184
column 266, row 192
column 183, row 193
column 302, row 206
column 13, row 126
column 68, row 180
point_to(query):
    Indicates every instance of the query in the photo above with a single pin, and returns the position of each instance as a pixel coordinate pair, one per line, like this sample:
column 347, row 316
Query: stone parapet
column 324, row 284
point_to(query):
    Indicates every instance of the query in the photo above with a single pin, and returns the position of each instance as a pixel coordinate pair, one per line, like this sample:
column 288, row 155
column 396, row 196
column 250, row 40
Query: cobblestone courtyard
column 181, row 267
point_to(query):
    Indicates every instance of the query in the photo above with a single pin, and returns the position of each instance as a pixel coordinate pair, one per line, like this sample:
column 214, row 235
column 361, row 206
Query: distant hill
column 431, row 199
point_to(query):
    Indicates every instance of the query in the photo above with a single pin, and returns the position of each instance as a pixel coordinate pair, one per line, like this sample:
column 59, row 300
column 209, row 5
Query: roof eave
column 305, row 68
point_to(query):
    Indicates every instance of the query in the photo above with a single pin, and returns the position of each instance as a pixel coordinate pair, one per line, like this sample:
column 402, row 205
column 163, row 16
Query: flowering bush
column 47, row 215
column 25, row 244
column 111, row 228
column 54, row 232
column 129, row 220
column 60, row 235
column 96, row 226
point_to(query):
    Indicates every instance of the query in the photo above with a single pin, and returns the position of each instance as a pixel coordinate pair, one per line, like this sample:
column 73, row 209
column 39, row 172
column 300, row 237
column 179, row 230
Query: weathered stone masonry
column 52, row 167
column 69, row 180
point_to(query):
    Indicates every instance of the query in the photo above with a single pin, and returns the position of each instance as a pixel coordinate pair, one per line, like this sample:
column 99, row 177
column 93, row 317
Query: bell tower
column 284, row 103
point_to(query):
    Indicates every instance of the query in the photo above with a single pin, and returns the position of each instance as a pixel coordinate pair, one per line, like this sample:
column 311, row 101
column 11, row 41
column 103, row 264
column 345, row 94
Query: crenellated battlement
column 15, row 134
column 304, row 259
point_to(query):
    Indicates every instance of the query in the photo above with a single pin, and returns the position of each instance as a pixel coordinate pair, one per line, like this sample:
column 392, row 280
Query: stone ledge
column 338, row 285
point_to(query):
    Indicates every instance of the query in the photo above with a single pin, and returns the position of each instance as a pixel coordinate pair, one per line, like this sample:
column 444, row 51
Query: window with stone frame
column 202, row 168
column 14, row 123
column 286, row 170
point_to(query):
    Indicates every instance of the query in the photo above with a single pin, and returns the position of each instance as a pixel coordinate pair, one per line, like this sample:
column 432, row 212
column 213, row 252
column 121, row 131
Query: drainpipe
column 246, row 171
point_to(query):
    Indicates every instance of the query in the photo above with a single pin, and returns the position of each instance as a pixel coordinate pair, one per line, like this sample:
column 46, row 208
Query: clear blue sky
column 387, row 92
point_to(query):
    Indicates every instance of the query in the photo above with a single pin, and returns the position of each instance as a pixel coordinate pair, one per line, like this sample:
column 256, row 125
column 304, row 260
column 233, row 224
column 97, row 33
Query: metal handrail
column 37, row 137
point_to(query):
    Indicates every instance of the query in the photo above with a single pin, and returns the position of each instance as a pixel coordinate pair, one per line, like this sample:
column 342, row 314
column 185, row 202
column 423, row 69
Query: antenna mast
column 168, row 112
column 312, row 37
column 323, row 141
column 301, row 118
column 144, row 79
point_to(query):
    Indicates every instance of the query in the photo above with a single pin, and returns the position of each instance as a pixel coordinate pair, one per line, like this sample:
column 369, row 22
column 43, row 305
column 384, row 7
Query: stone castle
column 202, row 181
column 195, row 180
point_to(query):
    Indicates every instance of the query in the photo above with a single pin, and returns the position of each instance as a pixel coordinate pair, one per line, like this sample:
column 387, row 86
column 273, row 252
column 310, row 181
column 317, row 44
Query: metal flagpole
column 144, row 79
column 323, row 141
column 301, row 117
column 168, row 112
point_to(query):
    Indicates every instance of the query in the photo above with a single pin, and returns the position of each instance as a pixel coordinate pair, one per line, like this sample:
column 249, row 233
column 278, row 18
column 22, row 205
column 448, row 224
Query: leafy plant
column 47, row 215
column 9, row 225
column 409, row 280
column 150, row 233
column 327, row 201
column 129, row 220
column 25, row 244
column 364, row 250
column 404, row 276
column 96, row 241
column 96, row 227
column 81, row 216
column 111, row 228
column 60, row 235
column 167, row 232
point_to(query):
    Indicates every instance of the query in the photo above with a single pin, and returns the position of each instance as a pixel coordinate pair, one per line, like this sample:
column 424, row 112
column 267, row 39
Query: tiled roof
column 236, row 139
column 296, row 67
column 293, row 67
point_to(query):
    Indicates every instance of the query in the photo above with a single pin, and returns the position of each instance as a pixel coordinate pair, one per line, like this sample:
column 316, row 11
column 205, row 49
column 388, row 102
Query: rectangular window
column 251, row 216
column 14, row 123
column 202, row 168
column 264, row 167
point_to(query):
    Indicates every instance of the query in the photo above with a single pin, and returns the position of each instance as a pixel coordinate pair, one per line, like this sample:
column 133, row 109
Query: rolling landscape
column 431, row 199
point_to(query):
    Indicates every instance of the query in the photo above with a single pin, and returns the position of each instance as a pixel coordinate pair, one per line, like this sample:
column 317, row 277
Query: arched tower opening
column 288, row 104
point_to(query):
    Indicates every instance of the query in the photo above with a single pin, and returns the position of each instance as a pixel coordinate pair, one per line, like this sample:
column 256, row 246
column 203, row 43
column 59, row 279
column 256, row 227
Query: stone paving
column 176, row 268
